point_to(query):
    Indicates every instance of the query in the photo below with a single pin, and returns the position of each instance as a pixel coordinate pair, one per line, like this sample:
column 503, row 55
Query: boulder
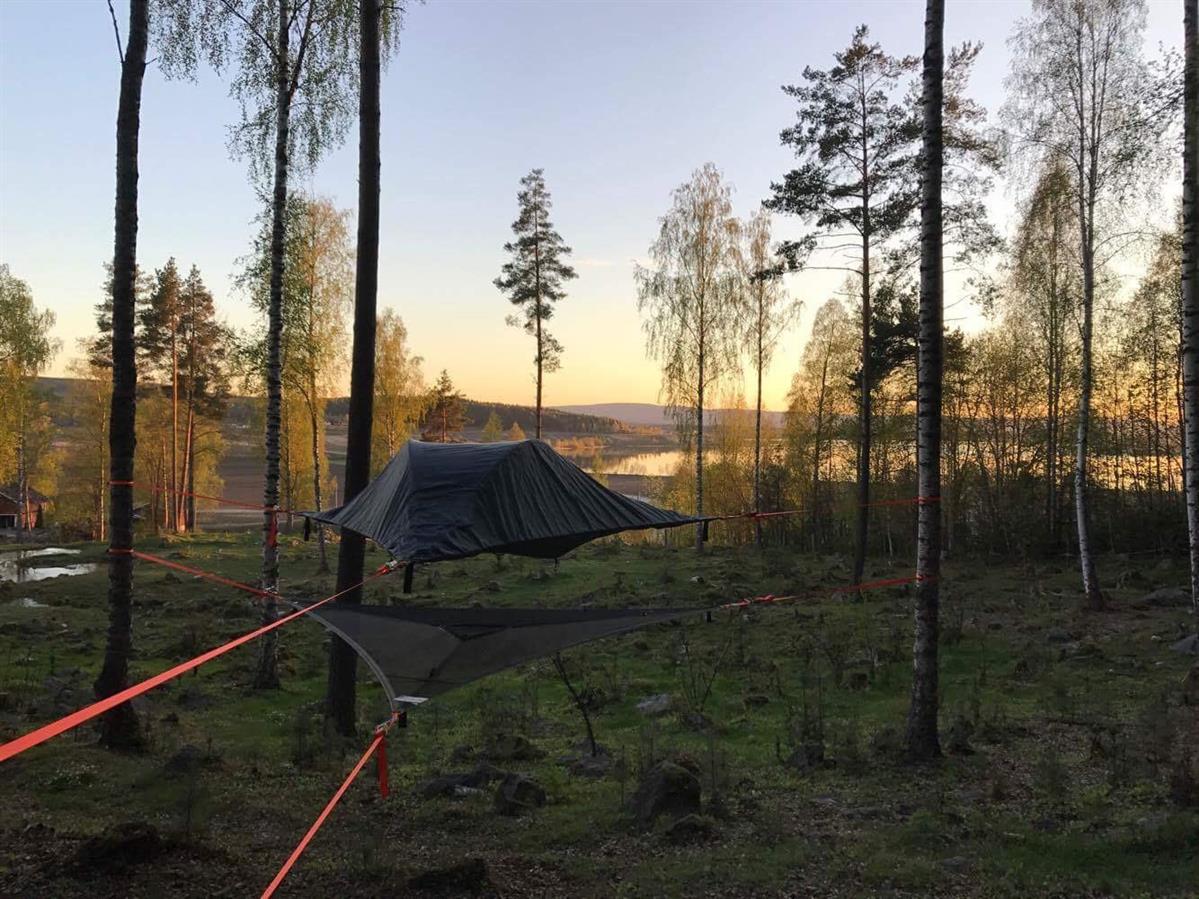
column 590, row 765
column 666, row 789
column 455, row 786
column 1187, row 645
column 517, row 793
column 1168, row 597
column 514, row 748
column 690, row 829
column 655, row 706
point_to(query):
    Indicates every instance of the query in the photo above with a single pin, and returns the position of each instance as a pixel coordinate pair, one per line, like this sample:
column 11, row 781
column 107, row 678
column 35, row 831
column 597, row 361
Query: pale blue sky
column 618, row 101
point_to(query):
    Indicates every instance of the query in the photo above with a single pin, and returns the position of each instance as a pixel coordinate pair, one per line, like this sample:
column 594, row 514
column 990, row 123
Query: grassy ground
column 1067, row 738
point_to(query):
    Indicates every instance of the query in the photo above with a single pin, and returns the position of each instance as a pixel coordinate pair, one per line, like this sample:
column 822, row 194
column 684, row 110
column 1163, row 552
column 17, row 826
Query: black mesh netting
column 417, row 653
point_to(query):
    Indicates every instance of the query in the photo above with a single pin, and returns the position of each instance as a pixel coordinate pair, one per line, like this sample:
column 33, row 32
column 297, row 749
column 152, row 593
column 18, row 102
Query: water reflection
column 15, row 567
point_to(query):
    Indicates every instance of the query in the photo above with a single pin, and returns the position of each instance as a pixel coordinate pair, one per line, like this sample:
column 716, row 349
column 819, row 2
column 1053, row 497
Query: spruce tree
column 533, row 279
column 446, row 414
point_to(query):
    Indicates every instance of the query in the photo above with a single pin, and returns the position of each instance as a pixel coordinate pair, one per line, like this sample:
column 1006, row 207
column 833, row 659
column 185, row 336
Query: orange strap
column 850, row 588
column 154, row 488
column 62, row 725
column 375, row 744
column 197, row 572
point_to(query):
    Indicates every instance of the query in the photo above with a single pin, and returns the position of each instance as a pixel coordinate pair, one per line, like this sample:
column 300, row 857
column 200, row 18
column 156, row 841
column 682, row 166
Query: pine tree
column 533, row 279
column 516, row 432
column 446, row 414
column 159, row 346
column 853, row 141
column 120, row 726
column 204, row 377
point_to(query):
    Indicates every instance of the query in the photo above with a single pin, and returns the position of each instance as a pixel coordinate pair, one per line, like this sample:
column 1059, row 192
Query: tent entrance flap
column 418, row 653
column 439, row 501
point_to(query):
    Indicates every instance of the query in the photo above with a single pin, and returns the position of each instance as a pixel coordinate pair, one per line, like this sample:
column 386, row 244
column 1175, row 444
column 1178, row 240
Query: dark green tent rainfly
column 439, row 501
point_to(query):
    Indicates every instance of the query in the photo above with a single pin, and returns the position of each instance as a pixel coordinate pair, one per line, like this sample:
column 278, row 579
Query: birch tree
column 1083, row 93
column 1045, row 291
column 292, row 63
column 400, row 393
column 26, row 348
column 689, row 298
column 769, row 314
column 922, row 739
column 1190, row 282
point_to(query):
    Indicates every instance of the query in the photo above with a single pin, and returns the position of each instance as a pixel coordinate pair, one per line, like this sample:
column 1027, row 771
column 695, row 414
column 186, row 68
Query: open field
column 1066, row 732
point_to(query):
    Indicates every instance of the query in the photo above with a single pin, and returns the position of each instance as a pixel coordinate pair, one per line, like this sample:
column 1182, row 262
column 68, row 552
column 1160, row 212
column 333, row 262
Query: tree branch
column 116, row 30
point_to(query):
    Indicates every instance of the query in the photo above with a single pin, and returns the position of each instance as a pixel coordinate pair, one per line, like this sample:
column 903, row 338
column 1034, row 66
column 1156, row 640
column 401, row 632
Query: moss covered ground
column 1069, row 767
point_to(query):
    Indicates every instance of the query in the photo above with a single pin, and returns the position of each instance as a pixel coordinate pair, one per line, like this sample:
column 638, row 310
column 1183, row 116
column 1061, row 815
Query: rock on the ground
column 514, row 748
column 1187, row 645
column 653, row 706
column 517, row 793
column 465, row 784
column 666, row 789
column 588, row 765
column 691, row 828
column 1167, row 597
column 470, row 878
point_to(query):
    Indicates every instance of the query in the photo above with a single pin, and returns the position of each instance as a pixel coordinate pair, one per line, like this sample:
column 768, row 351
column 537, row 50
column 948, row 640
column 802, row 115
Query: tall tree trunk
column 758, row 443
column 343, row 662
column 119, row 727
column 1092, row 594
column 699, row 446
column 537, row 316
column 316, row 422
column 922, row 740
column 861, row 535
column 191, row 479
column 187, row 476
column 1190, row 285
column 175, row 497
column 268, row 674
column 22, row 476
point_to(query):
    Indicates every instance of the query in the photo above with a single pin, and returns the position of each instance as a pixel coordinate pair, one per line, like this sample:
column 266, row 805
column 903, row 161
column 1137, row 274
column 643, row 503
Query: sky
column 618, row 101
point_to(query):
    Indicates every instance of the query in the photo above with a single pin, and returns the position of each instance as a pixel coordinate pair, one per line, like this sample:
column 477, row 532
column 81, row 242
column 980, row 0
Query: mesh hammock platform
column 419, row 652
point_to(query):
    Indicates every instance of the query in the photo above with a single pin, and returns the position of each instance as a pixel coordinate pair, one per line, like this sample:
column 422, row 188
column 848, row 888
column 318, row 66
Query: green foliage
column 445, row 415
column 494, row 429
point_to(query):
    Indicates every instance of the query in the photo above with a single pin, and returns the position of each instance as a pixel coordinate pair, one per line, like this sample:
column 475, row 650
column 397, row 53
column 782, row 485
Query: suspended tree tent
column 439, row 501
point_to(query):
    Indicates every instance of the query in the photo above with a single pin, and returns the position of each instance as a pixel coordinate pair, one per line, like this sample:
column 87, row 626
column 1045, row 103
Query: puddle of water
column 34, row 553
column 28, row 602
column 14, row 571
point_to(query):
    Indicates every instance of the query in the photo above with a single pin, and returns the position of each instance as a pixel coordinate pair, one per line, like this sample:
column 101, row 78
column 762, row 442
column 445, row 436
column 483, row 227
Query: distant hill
column 553, row 421
column 651, row 414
